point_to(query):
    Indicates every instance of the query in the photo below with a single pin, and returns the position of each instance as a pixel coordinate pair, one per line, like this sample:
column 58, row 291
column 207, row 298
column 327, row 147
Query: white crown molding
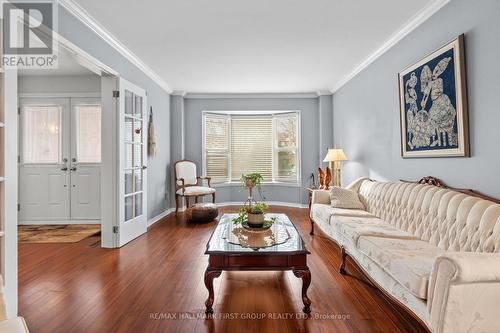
column 181, row 93
column 249, row 95
column 91, row 23
column 323, row 92
column 411, row 25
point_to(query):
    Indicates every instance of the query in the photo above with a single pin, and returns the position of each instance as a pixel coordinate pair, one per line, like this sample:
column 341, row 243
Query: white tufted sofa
column 435, row 250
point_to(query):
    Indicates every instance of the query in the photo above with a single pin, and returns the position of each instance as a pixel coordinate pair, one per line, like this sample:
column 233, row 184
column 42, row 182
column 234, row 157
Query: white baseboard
column 52, row 222
column 270, row 203
column 158, row 217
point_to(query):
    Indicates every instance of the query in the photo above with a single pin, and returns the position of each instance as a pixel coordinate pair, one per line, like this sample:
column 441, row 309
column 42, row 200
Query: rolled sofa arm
column 464, row 293
column 320, row 197
column 355, row 185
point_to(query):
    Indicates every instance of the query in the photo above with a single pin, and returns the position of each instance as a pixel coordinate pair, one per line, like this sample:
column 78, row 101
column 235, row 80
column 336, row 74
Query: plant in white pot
column 255, row 214
column 252, row 212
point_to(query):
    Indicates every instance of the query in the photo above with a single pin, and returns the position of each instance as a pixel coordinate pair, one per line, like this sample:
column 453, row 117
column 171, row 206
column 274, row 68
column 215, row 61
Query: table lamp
column 336, row 156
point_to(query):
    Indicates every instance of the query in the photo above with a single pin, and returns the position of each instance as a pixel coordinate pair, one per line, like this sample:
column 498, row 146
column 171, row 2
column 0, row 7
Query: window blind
column 239, row 144
column 251, row 146
column 217, row 147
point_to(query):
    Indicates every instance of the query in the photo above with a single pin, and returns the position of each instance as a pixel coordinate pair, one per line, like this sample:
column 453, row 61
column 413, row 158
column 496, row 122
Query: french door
column 132, row 181
column 59, row 159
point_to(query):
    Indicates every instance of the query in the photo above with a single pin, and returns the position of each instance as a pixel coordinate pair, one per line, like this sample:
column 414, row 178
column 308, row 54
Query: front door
column 60, row 156
column 132, row 134
column 85, row 159
column 44, row 176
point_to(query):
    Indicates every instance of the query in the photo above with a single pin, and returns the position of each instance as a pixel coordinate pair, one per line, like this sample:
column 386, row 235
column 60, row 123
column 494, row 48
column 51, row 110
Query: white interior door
column 132, row 134
column 85, row 167
column 44, row 189
column 60, row 160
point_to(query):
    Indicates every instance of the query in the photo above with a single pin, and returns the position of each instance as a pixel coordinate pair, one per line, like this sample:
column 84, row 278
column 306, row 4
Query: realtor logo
column 28, row 33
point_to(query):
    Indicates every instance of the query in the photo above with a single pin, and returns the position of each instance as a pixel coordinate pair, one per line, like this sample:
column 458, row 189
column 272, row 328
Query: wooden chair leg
column 176, row 203
column 187, row 201
column 196, row 199
column 342, row 260
column 213, row 197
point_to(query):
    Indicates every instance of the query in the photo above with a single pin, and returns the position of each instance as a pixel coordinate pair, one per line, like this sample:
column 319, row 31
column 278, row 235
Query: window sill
column 237, row 184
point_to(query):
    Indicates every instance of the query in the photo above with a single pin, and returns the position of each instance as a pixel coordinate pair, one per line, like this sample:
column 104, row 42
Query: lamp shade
column 335, row 155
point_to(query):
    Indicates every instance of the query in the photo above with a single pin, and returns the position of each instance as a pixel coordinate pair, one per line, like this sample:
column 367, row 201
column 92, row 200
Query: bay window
column 236, row 143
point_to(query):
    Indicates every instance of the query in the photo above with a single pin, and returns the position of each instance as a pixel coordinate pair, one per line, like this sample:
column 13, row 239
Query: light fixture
column 335, row 155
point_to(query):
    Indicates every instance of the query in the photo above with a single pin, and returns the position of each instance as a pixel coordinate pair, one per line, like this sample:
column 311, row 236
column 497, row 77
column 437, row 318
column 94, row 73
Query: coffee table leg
column 210, row 275
column 305, row 275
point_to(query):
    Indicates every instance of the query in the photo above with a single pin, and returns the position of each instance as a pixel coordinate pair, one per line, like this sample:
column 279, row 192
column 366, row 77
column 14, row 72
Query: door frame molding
column 61, row 95
column 10, row 254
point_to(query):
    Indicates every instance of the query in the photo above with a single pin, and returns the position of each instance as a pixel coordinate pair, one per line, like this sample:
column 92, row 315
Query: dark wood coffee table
column 228, row 256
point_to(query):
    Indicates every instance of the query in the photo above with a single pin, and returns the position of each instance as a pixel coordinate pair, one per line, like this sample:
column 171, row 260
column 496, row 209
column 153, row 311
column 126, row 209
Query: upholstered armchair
column 188, row 184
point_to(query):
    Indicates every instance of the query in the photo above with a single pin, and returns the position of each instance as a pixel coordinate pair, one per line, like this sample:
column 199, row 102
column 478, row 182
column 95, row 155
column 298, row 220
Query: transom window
column 236, row 143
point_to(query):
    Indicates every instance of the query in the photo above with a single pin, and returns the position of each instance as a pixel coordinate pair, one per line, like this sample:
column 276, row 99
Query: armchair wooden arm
column 205, row 177
column 182, row 184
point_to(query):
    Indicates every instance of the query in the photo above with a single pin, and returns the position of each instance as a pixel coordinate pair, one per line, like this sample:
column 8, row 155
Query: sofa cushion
column 343, row 198
column 408, row 261
column 325, row 212
column 196, row 190
column 351, row 228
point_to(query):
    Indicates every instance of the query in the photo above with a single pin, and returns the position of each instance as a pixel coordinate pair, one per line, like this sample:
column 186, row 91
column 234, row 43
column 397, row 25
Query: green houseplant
column 255, row 214
column 251, row 180
column 252, row 211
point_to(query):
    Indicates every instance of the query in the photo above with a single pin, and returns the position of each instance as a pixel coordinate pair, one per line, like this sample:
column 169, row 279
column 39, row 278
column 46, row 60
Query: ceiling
column 258, row 46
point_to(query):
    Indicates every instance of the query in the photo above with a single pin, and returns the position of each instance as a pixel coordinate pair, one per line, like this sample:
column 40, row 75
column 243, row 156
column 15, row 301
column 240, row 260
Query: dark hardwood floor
column 147, row 286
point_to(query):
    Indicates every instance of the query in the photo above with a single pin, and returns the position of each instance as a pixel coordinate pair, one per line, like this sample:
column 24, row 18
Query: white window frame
column 273, row 113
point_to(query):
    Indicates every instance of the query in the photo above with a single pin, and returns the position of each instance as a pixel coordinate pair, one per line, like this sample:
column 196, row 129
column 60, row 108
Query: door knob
column 73, row 169
column 144, row 167
column 64, row 168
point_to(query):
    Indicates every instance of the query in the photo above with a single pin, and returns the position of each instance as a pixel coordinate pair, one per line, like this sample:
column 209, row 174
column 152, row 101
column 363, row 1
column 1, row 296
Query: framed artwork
column 433, row 104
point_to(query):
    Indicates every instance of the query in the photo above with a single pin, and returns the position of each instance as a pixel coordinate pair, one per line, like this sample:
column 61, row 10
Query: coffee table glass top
column 282, row 237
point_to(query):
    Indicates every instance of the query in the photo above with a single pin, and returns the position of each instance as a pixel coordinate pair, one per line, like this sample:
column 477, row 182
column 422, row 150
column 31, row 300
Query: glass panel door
column 134, row 146
column 133, row 169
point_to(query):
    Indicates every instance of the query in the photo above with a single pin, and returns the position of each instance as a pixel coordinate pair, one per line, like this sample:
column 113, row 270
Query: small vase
column 255, row 220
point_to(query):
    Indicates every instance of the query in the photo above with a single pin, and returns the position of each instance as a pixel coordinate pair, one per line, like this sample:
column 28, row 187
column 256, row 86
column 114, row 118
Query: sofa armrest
column 464, row 293
column 320, row 197
column 355, row 185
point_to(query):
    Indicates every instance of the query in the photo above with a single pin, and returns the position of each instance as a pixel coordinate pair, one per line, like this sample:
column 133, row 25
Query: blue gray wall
column 158, row 167
column 192, row 109
column 366, row 109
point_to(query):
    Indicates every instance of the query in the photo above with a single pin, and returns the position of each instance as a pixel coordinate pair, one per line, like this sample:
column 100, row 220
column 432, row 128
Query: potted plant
column 251, row 180
column 255, row 214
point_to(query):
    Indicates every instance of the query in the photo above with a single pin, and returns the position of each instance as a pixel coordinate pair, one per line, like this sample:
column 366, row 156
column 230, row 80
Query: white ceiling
column 230, row 46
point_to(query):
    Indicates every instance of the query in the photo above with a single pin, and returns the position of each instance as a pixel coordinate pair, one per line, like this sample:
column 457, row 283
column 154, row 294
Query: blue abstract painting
column 431, row 108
